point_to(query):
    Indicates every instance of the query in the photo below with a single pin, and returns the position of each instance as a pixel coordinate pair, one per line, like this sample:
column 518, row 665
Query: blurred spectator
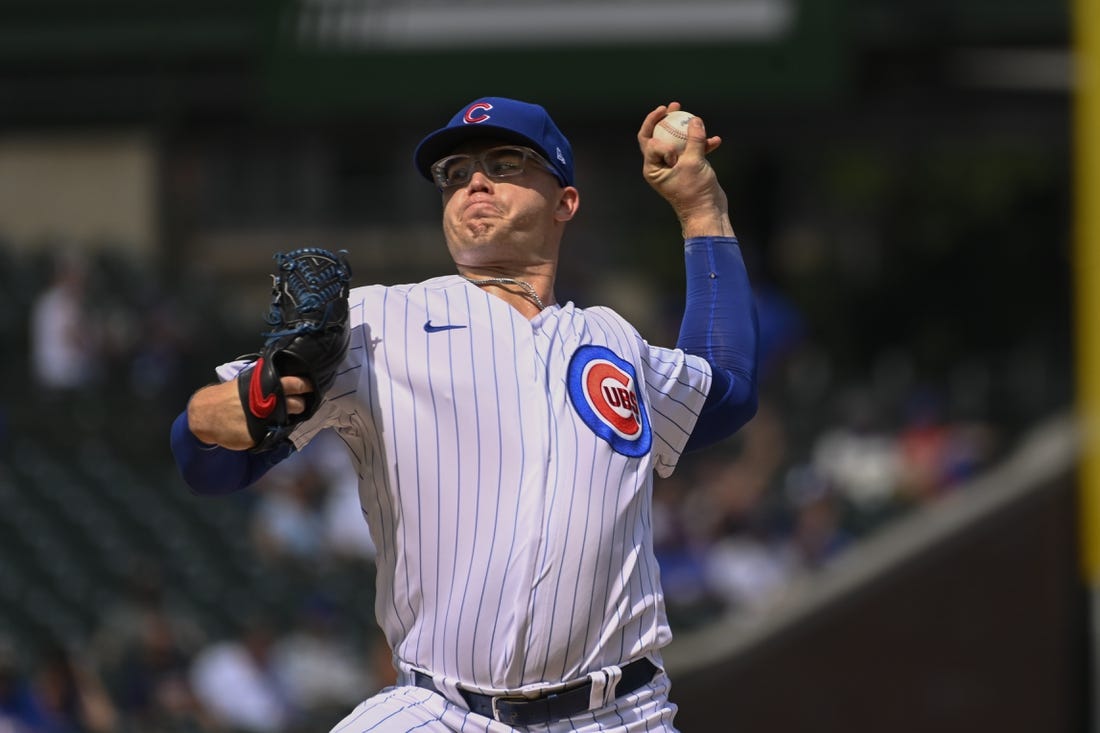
column 748, row 571
column 938, row 454
column 150, row 682
column 156, row 364
column 860, row 458
column 17, row 710
column 9, row 724
column 137, row 615
column 681, row 550
column 66, row 696
column 817, row 534
column 65, row 353
column 309, row 507
column 238, row 684
column 712, row 533
column 288, row 523
column 735, row 485
column 317, row 666
column 922, row 448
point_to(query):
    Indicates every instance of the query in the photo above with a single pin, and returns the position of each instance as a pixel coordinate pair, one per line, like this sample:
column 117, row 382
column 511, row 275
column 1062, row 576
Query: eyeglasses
column 500, row 162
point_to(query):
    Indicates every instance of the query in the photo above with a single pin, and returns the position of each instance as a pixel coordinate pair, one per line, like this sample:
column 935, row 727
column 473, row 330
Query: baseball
column 674, row 128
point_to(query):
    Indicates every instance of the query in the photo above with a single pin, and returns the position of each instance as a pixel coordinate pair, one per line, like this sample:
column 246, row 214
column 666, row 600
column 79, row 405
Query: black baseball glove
column 308, row 317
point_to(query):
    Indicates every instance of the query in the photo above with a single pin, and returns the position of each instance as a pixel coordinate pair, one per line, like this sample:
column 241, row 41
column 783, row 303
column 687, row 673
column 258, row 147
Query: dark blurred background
column 899, row 176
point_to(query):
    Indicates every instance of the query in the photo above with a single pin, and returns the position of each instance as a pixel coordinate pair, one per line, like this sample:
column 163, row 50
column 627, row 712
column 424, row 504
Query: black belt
column 522, row 711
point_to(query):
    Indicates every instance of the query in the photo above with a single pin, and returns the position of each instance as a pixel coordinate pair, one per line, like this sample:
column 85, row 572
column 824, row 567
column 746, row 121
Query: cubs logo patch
column 477, row 113
column 603, row 390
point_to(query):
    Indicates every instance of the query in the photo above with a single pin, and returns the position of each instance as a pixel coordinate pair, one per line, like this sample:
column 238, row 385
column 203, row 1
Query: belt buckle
column 511, row 718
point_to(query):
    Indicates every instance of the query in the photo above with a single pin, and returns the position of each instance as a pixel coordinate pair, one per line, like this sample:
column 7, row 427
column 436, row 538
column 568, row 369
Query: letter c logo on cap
column 476, row 113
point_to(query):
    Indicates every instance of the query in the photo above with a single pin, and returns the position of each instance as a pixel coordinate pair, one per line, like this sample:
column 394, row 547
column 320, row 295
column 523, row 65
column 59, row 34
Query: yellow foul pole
column 1086, row 266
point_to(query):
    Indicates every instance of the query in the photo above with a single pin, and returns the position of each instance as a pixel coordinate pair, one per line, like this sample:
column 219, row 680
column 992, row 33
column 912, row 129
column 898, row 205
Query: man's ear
column 568, row 203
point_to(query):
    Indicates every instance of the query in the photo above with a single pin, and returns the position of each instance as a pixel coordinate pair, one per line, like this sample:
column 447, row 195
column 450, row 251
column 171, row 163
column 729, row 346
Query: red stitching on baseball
column 663, row 124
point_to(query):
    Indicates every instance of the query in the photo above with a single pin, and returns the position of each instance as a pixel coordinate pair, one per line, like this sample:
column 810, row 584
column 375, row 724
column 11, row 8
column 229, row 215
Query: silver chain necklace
column 530, row 290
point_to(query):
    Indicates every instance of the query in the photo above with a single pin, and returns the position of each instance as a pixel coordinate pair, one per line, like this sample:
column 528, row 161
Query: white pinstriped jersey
column 506, row 471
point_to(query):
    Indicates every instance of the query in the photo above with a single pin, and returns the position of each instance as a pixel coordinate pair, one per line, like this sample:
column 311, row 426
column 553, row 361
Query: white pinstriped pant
column 406, row 708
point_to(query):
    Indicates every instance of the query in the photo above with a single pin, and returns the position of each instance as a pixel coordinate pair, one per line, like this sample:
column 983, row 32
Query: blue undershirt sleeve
column 213, row 470
column 720, row 326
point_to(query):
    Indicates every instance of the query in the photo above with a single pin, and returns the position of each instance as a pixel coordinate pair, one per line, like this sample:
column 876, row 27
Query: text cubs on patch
column 603, row 389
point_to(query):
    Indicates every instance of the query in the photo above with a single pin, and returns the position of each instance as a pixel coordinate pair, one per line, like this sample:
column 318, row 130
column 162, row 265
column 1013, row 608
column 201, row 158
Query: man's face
column 502, row 214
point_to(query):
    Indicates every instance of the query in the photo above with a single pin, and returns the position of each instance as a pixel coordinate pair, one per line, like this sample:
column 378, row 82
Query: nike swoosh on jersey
column 429, row 328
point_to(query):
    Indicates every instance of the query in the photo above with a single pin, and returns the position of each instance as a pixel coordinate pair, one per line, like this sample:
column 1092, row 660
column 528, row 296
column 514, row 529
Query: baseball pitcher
column 505, row 442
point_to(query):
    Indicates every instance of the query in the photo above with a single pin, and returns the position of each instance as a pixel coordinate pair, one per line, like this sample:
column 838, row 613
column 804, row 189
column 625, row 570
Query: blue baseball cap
column 503, row 119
